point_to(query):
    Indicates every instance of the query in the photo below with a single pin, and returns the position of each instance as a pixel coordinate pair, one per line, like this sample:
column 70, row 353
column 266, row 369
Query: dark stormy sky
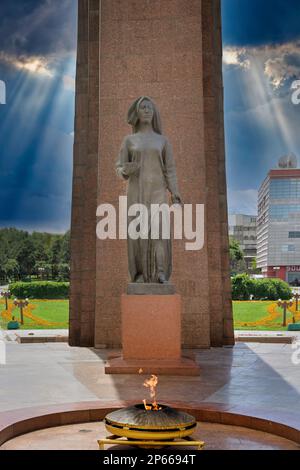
column 37, row 64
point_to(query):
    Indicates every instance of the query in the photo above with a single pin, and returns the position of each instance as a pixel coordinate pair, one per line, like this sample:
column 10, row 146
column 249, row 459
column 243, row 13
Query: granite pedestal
column 151, row 333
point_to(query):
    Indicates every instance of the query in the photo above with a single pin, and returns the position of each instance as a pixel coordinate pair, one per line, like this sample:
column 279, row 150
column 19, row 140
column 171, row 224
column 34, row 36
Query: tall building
column 243, row 228
column 278, row 233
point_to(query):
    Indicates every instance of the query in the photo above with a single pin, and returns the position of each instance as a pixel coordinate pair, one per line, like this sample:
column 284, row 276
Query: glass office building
column 278, row 239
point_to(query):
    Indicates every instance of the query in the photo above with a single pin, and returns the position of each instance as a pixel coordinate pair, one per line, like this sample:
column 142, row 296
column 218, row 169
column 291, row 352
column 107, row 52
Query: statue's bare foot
column 162, row 278
column 139, row 279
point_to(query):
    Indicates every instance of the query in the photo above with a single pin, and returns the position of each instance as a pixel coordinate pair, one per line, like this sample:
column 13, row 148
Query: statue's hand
column 130, row 169
column 176, row 199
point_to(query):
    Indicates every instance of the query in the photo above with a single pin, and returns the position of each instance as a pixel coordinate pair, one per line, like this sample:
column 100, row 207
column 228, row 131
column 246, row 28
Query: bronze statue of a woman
column 146, row 161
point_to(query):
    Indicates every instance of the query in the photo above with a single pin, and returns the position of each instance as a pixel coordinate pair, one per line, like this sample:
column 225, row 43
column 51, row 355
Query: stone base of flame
column 181, row 367
column 151, row 337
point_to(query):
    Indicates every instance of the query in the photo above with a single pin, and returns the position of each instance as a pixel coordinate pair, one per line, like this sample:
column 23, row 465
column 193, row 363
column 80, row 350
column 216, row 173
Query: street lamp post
column 297, row 297
column 6, row 295
column 21, row 304
column 284, row 305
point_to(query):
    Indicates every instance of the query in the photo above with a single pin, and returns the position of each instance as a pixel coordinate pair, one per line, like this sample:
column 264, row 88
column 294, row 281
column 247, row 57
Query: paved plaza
column 253, row 375
column 252, row 379
column 85, row 436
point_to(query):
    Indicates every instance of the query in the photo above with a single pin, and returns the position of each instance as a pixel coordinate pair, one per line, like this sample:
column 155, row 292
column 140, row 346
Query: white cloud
column 32, row 64
column 235, row 56
column 280, row 62
column 278, row 70
column 267, row 102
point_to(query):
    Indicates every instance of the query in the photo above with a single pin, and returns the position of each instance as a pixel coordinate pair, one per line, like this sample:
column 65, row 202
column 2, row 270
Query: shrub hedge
column 261, row 289
column 242, row 288
column 40, row 290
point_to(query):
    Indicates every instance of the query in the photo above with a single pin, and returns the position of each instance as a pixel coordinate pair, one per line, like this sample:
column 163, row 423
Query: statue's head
column 144, row 110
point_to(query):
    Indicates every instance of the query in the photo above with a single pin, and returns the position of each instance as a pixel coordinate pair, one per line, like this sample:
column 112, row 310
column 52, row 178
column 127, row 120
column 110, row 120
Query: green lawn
column 244, row 312
column 54, row 311
column 57, row 311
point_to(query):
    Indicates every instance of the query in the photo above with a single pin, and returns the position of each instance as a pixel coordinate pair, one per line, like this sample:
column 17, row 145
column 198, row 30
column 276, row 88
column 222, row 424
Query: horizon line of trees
column 24, row 255
column 46, row 256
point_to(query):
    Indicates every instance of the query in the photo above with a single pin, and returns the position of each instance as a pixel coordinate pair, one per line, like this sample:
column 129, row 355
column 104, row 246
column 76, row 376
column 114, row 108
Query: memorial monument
column 146, row 161
column 171, row 51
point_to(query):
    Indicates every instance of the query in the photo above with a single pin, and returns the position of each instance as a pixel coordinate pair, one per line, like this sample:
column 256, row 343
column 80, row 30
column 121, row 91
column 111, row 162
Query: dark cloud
column 256, row 22
column 293, row 59
column 36, row 145
column 38, row 27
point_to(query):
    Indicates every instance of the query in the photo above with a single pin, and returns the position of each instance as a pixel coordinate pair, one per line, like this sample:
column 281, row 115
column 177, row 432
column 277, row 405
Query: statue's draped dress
column 149, row 185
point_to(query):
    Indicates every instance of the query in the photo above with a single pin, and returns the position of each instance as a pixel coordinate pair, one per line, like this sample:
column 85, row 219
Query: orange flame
column 147, row 407
column 152, row 384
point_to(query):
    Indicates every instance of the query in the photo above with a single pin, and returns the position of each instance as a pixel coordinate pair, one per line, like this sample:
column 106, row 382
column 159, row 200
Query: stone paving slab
column 256, row 375
column 44, row 336
column 28, row 420
column 280, row 337
column 37, row 336
column 255, row 379
column 266, row 333
column 85, row 436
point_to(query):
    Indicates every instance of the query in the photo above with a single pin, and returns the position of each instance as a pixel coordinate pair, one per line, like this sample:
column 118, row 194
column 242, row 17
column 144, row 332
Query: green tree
column 11, row 269
column 254, row 264
column 63, row 272
column 237, row 262
column 55, row 256
column 26, row 257
column 41, row 249
column 33, row 251
column 3, row 257
column 242, row 287
column 11, row 240
column 43, row 269
column 65, row 249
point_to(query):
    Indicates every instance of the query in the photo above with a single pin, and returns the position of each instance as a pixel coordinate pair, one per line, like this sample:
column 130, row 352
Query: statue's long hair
column 133, row 119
